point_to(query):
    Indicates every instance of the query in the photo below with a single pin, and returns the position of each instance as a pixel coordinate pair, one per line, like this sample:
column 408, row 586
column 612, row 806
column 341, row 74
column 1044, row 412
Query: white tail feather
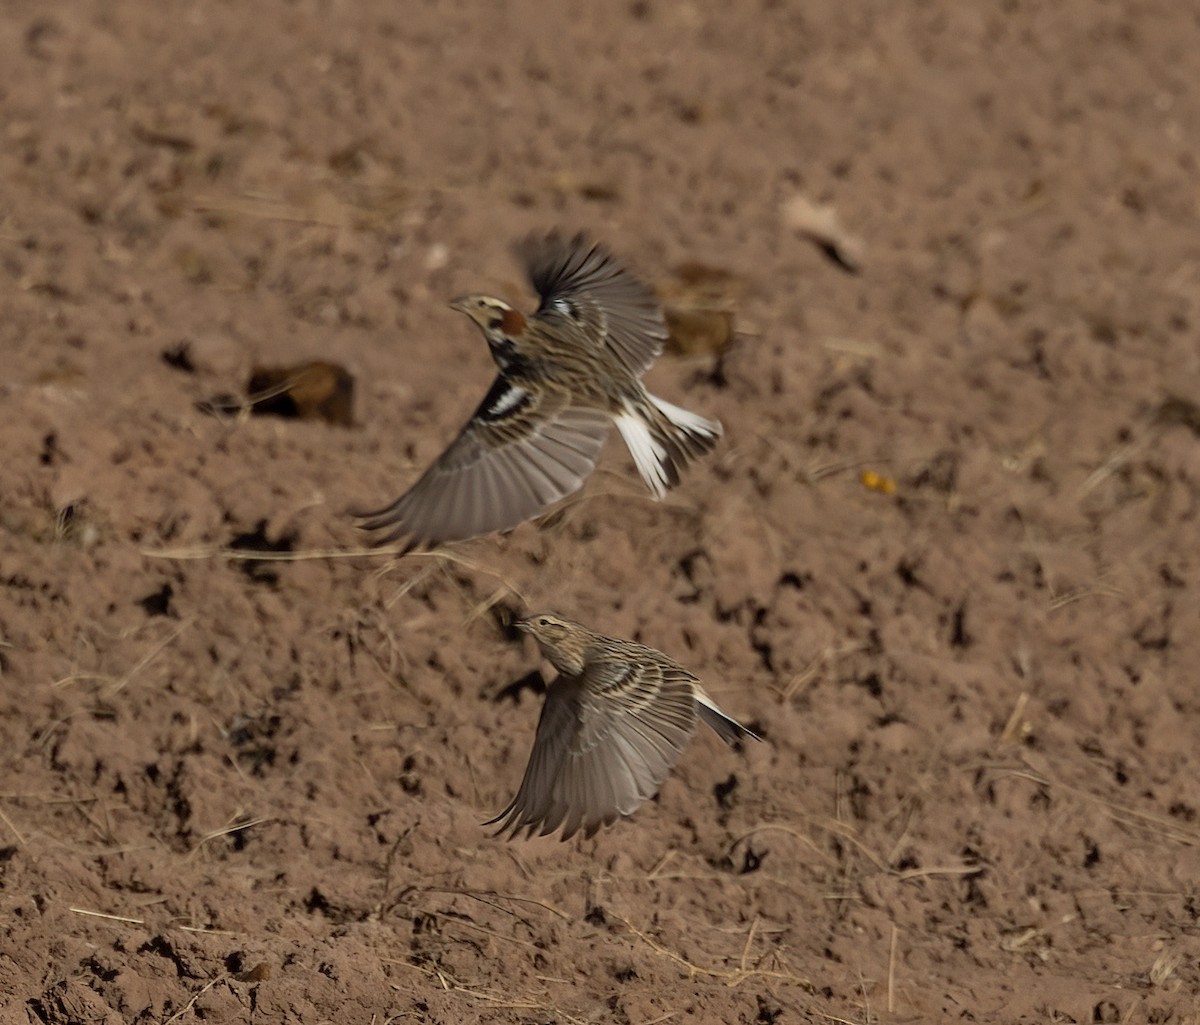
column 687, row 421
column 648, row 455
column 663, row 439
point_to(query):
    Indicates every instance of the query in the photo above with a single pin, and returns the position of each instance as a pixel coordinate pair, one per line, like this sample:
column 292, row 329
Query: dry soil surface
column 945, row 559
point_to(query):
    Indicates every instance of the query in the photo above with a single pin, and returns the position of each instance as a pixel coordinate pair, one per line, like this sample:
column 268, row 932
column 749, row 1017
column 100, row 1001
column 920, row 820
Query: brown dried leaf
column 307, row 391
column 697, row 332
column 698, row 303
column 261, row 972
column 820, row 223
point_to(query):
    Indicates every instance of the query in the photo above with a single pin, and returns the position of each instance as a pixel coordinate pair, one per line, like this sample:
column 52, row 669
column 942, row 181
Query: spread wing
column 605, row 742
column 523, row 450
column 581, row 284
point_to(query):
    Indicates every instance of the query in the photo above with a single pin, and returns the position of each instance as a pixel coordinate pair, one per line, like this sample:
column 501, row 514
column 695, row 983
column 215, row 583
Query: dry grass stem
column 778, row 827
column 828, row 656
column 749, row 941
column 484, row 895
column 891, row 981
column 146, row 659
column 1119, row 458
column 816, row 471
column 203, row 931
column 492, row 998
column 192, row 553
column 1016, row 721
column 729, row 978
column 1163, row 968
column 1079, row 593
column 12, row 828
column 467, row 924
column 195, row 996
column 938, row 870
column 855, row 347
column 111, row 918
column 233, row 827
column 1124, row 814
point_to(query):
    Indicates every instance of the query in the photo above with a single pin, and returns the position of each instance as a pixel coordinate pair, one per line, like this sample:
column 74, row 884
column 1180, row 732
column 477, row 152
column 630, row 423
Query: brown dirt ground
column 256, row 795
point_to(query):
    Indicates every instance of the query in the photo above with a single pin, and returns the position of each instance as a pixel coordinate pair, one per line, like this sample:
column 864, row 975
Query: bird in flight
column 613, row 725
column 565, row 373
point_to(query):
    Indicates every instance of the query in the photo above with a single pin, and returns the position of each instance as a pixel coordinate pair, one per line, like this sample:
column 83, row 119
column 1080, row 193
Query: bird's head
column 498, row 321
column 563, row 642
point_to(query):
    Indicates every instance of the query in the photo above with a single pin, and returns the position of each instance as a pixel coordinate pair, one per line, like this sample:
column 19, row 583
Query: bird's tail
column 729, row 730
column 663, row 439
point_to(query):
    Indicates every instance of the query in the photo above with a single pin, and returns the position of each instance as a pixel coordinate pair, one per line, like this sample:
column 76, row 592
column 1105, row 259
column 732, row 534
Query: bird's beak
column 522, row 625
column 460, row 305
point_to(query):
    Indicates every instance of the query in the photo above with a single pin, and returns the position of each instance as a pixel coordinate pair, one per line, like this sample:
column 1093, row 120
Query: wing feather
column 499, row 471
column 604, row 744
column 532, row 803
column 581, row 284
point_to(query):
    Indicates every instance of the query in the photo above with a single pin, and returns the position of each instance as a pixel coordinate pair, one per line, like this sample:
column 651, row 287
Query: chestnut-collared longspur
column 613, row 725
column 566, row 372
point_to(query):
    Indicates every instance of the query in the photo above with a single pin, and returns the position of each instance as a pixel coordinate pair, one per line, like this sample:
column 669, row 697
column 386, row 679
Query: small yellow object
column 878, row 482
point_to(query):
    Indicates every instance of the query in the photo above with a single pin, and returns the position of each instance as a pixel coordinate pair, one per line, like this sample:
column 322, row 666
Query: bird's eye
column 543, row 621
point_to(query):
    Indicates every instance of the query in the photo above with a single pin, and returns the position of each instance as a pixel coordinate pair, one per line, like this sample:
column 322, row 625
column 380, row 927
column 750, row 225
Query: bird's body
column 565, row 374
column 613, row 726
